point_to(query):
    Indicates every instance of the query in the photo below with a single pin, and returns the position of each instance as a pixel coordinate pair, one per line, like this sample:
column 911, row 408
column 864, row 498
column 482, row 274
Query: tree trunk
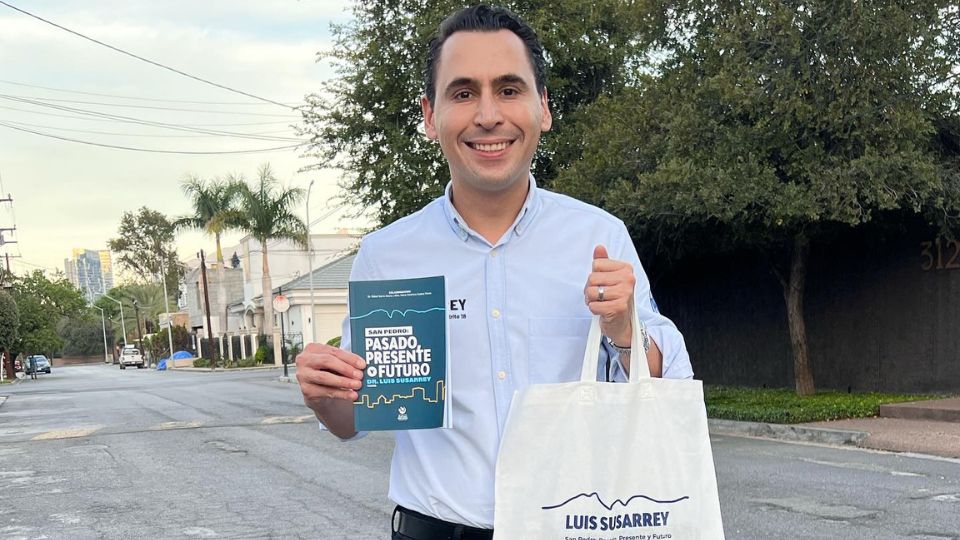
column 222, row 288
column 267, row 294
column 793, row 289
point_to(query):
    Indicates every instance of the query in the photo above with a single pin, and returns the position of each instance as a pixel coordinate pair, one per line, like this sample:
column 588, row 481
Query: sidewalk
column 922, row 427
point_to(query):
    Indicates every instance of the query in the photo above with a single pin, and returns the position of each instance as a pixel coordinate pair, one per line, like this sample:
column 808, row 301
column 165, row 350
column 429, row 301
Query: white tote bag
column 602, row 461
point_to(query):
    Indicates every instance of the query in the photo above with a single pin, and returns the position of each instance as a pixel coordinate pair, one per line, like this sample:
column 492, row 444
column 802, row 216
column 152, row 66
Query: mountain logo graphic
column 610, row 506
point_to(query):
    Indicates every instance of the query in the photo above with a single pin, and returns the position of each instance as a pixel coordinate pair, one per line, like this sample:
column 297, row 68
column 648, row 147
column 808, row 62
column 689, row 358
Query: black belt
column 421, row 527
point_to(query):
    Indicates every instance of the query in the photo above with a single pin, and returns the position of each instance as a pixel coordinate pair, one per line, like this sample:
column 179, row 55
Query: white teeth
column 491, row 147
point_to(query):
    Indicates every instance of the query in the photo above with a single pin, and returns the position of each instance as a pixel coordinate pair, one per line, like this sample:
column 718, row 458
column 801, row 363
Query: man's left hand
column 609, row 294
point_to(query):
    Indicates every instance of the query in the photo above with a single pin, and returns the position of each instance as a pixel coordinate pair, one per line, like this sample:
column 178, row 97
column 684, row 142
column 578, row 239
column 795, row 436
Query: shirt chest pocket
column 555, row 348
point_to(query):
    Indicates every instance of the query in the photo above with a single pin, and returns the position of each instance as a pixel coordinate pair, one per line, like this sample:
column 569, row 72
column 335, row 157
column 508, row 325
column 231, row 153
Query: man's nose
column 488, row 112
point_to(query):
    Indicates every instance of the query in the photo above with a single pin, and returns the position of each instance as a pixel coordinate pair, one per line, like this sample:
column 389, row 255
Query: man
column 524, row 271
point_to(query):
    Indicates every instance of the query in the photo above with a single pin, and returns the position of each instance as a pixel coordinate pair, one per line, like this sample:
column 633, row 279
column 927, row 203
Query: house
column 236, row 307
column 330, row 282
column 192, row 297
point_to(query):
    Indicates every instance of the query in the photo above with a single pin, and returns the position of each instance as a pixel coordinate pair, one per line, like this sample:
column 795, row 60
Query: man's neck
column 489, row 214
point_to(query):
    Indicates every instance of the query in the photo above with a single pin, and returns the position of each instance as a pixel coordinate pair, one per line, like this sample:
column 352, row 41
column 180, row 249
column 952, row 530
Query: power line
column 121, row 51
column 202, row 111
column 153, row 135
column 118, row 96
column 151, row 150
column 130, row 119
column 112, row 120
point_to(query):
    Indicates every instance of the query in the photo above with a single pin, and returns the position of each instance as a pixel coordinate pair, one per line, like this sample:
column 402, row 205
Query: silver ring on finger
column 600, row 293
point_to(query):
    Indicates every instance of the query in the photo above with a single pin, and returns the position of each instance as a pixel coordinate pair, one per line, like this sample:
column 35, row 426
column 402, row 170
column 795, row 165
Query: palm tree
column 212, row 203
column 213, row 212
column 265, row 212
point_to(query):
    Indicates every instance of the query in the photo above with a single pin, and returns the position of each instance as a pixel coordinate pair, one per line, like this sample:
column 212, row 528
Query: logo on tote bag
column 616, row 520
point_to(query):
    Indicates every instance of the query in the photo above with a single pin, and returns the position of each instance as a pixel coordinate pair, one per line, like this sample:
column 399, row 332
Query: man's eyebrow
column 461, row 82
column 508, row 78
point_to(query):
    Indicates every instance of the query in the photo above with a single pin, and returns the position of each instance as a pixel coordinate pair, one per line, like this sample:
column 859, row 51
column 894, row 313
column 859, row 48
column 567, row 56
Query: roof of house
column 333, row 275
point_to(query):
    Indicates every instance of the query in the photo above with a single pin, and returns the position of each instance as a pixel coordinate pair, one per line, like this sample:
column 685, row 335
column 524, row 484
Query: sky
column 72, row 195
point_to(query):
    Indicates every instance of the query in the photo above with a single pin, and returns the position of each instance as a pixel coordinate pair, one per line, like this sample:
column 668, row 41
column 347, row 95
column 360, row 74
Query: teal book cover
column 400, row 328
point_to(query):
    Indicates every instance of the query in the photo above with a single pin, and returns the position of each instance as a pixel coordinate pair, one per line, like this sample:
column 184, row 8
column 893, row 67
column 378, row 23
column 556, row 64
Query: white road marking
column 179, row 425
column 286, row 419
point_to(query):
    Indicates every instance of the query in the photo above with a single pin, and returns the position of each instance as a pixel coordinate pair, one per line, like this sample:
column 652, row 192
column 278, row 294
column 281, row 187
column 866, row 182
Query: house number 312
column 935, row 253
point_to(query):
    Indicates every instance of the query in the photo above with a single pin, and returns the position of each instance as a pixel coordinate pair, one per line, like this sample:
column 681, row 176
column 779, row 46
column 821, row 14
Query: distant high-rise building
column 90, row 271
column 106, row 269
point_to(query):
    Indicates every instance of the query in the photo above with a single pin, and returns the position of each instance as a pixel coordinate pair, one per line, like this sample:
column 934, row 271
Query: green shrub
column 335, row 342
column 783, row 406
column 247, row 362
column 201, row 362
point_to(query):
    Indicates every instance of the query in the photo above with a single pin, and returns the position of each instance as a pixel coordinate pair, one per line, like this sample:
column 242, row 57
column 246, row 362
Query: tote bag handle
column 638, row 361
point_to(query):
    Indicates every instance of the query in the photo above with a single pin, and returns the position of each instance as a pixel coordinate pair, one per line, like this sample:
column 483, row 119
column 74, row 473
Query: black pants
column 429, row 528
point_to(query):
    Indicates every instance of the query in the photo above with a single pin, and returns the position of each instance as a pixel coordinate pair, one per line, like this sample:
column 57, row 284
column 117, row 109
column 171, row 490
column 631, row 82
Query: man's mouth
column 492, row 147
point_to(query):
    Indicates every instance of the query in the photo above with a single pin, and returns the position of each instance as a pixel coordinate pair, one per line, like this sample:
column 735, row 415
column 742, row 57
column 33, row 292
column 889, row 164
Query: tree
column 212, row 203
column 772, row 125
column 265, row 212
column 84, row 335
column 145, row 247
column 149, row 301
column 212, row 213
column 9, row 326
column 43, row 303
column 159, row 345
column 367, row 121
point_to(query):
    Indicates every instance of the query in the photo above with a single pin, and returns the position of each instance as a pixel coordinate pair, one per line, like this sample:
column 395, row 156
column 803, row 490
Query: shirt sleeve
column 676, row 360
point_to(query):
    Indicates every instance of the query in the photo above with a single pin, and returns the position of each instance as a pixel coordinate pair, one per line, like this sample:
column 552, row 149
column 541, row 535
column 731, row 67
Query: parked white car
column 130, row 356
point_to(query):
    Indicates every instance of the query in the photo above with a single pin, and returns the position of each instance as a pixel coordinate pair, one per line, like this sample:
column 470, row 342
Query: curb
column 785, row 432
column 224, row 370
column 2, row 399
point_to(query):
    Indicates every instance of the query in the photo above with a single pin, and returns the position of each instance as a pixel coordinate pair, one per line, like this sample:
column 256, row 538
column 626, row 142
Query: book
column 400, row 328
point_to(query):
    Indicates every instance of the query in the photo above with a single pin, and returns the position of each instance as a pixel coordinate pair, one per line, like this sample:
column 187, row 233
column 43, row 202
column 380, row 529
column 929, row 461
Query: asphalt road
column 96, row 452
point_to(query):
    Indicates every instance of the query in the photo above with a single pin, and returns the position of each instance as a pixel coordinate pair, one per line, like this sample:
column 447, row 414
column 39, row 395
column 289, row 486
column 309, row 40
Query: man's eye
column 510, row 92
column 462, row 94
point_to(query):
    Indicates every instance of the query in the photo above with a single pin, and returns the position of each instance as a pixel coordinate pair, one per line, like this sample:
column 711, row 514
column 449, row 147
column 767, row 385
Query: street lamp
column 103, row 324
column 313, row 312
column 123, row 325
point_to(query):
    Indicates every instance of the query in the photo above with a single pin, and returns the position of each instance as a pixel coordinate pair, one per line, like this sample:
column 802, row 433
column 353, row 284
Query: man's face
column 487, row 114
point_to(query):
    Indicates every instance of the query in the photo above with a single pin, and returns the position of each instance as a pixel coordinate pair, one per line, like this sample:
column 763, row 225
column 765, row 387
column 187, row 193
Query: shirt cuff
column 356, row 437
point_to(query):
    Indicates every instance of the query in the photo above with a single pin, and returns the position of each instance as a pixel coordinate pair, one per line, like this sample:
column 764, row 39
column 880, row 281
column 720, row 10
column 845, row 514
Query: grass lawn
column 783, row 406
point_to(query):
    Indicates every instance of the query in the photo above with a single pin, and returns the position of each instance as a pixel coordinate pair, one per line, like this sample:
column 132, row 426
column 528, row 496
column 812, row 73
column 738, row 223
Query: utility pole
column 283, row 337
column 313, row 309
column 136, row 309
column 166, row 309
column 206, row 306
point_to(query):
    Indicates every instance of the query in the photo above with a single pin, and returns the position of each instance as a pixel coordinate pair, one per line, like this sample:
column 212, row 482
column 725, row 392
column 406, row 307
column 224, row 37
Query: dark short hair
column 483, row 18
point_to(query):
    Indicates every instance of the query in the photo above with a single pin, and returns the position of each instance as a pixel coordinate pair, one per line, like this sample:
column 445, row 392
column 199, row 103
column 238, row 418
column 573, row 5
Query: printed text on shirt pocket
column 555, row 349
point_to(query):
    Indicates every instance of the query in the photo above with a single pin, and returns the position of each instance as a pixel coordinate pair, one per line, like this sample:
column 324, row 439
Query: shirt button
column 493, row 253
column 495, row 313
column 501, row 375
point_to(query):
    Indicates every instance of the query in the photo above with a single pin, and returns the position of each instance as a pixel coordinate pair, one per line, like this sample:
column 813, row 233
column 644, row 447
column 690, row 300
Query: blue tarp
column 162, row 365
column 180, row 355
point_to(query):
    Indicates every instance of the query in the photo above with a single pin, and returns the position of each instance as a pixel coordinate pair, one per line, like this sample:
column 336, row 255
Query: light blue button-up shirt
column 516, row 317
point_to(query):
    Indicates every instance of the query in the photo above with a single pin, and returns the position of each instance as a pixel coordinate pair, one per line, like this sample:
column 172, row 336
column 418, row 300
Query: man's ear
column 546, row 122
column 428, row 126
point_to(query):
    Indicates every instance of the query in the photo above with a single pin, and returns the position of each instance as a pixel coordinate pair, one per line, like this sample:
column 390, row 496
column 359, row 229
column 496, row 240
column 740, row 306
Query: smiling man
column 525, row 270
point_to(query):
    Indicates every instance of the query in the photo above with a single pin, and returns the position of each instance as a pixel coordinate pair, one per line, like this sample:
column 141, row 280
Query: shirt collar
column 524, row 218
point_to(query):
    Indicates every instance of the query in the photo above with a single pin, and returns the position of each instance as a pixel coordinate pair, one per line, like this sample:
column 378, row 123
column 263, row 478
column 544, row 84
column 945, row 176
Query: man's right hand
column 329, row 378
